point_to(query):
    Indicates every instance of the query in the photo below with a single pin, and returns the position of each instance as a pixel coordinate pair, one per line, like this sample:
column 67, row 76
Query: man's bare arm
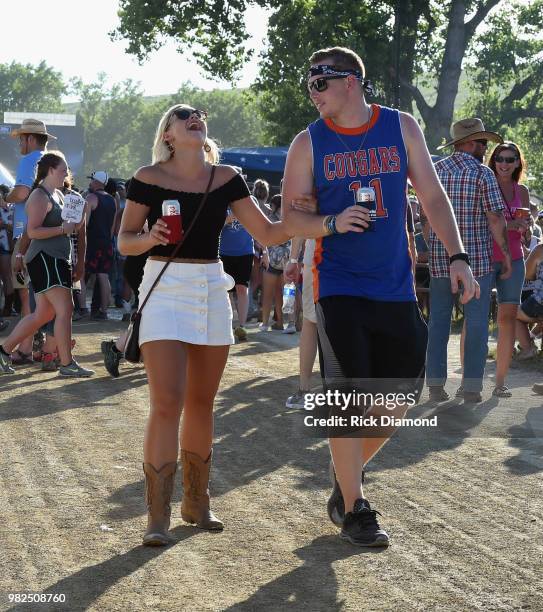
column 298, row 180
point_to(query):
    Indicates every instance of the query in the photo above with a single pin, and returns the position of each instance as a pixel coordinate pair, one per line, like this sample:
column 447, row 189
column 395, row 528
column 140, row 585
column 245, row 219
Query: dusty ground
column 463, row 503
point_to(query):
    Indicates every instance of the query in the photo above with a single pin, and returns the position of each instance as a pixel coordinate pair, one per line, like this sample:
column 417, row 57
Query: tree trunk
column 439, row 117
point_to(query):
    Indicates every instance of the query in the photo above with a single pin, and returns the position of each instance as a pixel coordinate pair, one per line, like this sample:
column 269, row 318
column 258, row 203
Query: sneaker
column 438, row 394
column 263, row 327
column 74, row 370
column 336, row 504
column 112, row 357
column 297, row 400
column 538, row 388
column 360, row 527
column 77, row 315
column 525, row 354
column 4, row 325
column 240, row 333
column 290, row 329
column 459, row 392
column 5, row 364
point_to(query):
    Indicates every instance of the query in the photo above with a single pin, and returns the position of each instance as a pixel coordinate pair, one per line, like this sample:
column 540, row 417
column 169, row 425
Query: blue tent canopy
column 255, row 159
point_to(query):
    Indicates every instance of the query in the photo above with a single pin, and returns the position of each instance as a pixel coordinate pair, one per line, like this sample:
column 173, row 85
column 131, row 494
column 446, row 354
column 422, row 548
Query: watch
column 460, row 257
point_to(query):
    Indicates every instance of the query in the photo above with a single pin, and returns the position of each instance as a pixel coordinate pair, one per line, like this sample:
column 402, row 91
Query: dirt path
column 463, row 503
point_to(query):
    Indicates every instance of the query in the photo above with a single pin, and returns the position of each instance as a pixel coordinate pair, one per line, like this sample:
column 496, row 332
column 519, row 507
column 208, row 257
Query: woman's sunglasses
column 185, row 113
column 321, row 84
column 505, row 160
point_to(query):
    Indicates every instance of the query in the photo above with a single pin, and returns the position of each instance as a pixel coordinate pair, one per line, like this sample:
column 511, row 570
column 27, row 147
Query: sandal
column 20, row 358
column 502, row 392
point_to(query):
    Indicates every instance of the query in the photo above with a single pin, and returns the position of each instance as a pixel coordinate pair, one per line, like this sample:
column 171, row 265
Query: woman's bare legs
column 29, row 325
column 180, row 375
column 507, row 314
column 205, row 366
column 268, row 288
column 61, row 300
column 165, row 362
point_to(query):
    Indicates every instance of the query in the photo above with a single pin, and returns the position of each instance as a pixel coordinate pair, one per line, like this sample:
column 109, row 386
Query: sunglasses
column 505, row 160
column 482, row 141
column 185, row 113
column 321, row 84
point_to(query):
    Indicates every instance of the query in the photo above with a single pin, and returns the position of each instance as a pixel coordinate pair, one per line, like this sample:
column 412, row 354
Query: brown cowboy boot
column 195, row 502
column 158, row 494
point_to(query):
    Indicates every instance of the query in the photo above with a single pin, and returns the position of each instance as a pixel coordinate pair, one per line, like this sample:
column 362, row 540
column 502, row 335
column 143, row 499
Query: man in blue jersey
column 369, row 326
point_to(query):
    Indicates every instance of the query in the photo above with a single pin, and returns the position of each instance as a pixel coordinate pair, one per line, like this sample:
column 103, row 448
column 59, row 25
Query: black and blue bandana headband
column 327, row 70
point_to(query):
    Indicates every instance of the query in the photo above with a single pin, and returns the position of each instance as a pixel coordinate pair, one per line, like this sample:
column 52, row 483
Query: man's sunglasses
column 482, row 141
column 321, row 84
column 505, row 160
column 185, row 113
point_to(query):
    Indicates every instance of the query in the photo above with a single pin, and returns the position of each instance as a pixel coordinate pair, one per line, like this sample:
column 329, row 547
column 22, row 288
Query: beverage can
column 171, row 207
column 365, row 196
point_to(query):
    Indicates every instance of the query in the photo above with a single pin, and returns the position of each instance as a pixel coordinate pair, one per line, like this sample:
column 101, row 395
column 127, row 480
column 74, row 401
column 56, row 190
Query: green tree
column 27, row 88
column 507, row 79
column 419, row 44
column 120, row 123
column 110, row 119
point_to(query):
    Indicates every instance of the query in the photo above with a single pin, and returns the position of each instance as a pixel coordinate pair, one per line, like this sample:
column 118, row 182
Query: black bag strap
column 180, row 243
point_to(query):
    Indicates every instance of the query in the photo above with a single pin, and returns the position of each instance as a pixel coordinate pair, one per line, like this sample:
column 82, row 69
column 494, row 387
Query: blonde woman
column 186, row 325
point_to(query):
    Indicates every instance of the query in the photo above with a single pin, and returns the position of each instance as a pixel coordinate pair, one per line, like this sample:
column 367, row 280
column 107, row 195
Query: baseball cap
column 99, row 175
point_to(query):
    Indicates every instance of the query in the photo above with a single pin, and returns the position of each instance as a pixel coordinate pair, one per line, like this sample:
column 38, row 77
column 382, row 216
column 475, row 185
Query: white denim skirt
column 190, row 304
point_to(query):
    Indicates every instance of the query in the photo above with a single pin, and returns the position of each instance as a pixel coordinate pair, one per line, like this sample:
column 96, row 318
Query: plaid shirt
column 473, row 191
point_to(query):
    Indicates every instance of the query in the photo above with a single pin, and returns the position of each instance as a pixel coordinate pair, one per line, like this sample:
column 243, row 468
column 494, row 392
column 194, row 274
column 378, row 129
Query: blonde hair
column 162, row 153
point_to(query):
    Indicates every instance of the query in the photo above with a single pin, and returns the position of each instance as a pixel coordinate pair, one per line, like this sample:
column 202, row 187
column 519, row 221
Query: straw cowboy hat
column 31, row 126
column 470, row 129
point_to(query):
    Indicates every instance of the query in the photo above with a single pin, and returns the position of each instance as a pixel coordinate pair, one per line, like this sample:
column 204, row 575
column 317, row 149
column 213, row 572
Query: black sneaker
column 438, row 394
column 112, row 357
column 361, row 528
column 336, row 504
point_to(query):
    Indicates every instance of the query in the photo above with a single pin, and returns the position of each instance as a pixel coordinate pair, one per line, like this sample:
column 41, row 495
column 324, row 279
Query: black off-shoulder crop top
column 203, row 240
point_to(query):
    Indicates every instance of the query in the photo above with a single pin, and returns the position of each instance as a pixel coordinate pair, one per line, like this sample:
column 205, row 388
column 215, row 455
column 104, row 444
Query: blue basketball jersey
column 375, row 265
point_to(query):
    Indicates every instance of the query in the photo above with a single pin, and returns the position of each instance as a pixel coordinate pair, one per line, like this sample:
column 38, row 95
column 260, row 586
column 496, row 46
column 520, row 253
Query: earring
column 170, row 146
column 207, row 148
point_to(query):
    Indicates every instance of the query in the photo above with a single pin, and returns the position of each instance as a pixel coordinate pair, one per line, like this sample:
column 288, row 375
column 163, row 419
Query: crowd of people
column 363, row 273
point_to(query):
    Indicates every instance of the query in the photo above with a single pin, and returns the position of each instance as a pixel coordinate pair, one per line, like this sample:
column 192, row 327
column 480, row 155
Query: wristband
column 332, row 229
column 292, row 260
column 460, row 257
column 19, row 256
column 325, row 224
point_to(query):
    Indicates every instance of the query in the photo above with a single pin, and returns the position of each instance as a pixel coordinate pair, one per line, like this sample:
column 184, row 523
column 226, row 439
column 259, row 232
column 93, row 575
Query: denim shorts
column 532, row 308
column 509, row 290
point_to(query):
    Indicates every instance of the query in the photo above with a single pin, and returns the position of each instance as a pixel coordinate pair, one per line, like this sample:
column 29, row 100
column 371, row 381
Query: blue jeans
column 439, row 327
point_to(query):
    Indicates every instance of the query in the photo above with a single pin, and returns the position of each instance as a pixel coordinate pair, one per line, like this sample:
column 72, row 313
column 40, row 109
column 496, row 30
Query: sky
column 84, row 48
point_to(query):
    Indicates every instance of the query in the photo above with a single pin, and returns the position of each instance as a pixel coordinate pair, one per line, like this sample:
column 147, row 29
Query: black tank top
column 203, row 240
column 101, row 220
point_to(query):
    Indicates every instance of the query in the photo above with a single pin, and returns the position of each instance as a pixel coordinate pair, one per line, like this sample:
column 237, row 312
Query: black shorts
column 239, row 267
column 371, row 347
column 47, row 272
